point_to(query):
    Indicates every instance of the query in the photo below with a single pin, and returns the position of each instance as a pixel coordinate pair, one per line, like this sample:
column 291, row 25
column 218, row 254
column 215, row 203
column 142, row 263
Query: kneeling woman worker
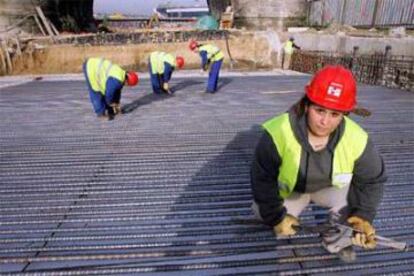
column 315, row 153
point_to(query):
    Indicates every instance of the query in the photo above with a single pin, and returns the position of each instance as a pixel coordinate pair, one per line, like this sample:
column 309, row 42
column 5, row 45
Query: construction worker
column 211, row 56
column 315, row 153
column 288, row 49
column 161, row 66
column 105, row 81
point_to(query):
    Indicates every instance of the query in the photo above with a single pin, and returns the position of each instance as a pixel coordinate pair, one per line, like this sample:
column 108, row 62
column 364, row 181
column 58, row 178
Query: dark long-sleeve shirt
column 295, row 46
column 315, row 171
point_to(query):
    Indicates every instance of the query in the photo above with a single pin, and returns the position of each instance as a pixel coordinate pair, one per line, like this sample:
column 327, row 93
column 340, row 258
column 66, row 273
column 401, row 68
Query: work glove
column 284, row 228
column 365, row 233
column 206, row 67
column 116, row 108
column 166, row 88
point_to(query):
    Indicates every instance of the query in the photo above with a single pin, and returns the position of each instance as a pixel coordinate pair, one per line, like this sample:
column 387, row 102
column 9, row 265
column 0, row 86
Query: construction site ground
column 165, row 188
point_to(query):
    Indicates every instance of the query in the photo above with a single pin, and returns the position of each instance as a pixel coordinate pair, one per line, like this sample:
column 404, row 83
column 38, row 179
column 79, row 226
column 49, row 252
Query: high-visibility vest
column 157, row 60
column 99, row 70
column 213, row 52
column 288, row 47
column 349, row 148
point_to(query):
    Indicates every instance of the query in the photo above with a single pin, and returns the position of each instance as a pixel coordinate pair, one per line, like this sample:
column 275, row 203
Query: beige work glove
column 166, row 88
column 116, row 107
column 365, row 237
column 284, row 228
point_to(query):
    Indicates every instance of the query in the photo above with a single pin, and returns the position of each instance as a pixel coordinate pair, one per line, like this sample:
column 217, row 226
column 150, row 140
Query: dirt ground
column 246, row 49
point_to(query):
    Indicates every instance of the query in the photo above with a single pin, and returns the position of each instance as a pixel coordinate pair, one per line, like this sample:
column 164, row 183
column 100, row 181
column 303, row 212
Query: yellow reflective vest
column 349, row 148
column 213, row 52
column 288, row 47
column 99, row 70
column 157, row 60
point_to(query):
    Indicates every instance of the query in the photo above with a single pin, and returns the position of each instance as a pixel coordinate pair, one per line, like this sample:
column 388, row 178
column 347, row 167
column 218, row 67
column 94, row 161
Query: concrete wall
column 269, row 8
column 263, row 14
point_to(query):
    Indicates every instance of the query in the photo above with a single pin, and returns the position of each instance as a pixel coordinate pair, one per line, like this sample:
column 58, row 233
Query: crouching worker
column 105, row 81
column 161, row 65
column 315, row 153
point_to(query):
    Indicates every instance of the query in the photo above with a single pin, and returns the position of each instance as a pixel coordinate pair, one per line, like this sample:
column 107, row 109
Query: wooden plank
column 18, row 47
column 53, row 27
column 7, row 54
column 3, row 62
column 39, row 25
column 45, row 23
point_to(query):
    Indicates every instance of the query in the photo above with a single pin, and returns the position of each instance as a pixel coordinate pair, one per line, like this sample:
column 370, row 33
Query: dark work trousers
column 156, row 81
column 100, row 101
column 213, row 76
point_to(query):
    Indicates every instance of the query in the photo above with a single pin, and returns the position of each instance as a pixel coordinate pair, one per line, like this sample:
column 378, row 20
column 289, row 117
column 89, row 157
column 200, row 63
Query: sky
column 139, row 7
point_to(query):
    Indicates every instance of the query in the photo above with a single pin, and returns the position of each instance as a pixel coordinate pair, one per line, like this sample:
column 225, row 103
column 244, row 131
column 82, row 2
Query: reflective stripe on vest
column 349, row 148
column 157, row 60
column 99, row 70
column 288, row 47
column 213, row 52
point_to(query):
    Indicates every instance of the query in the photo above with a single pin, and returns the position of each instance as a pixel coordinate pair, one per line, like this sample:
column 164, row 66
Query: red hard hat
column 193, row 44
column 333, row 87
column 180, row 61
column 132, row 78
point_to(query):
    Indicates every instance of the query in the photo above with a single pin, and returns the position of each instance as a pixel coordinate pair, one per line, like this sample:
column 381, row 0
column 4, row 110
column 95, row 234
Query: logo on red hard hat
column 335, row 90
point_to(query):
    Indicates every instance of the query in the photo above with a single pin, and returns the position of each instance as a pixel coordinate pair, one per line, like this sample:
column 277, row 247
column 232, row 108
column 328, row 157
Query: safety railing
column 378, row 69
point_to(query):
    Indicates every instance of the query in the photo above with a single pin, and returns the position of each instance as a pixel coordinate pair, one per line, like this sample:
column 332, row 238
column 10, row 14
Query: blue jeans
column 213, row 76
column 155, row 81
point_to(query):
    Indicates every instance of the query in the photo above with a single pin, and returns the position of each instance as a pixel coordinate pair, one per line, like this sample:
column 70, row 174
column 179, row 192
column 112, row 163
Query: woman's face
column 322, row 121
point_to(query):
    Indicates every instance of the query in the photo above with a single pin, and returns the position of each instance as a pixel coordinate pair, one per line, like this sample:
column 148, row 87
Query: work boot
column 102, row 117
column 105, row 117
column 208, row 93
column 168, row 92
column 347, row 254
